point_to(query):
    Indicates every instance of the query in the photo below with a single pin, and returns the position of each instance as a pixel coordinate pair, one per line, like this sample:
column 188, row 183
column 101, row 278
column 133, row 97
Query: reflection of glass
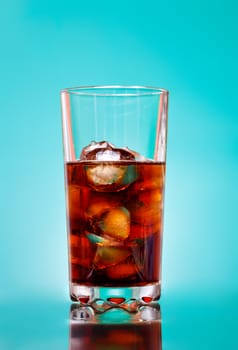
column 115, row 149
column 115, row 329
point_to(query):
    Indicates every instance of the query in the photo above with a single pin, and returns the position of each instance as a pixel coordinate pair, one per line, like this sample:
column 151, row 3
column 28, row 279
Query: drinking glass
column 114, row 150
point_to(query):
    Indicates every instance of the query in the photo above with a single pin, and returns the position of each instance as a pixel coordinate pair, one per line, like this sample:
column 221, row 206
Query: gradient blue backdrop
column 188, row 47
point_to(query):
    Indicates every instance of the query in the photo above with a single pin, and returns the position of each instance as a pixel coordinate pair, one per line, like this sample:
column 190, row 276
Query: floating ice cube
column 105, row 151
column 110, row 178
column 105, row 176
column 88, row 151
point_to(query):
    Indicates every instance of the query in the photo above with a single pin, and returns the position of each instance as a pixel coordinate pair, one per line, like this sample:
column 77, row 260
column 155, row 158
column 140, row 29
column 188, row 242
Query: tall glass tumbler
column 115, row 150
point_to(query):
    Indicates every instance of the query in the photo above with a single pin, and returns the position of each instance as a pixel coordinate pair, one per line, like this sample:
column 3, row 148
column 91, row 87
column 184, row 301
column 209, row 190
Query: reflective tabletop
column 174, row 324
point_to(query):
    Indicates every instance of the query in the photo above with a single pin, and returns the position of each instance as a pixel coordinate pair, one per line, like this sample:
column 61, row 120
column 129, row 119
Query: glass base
column 103, row 298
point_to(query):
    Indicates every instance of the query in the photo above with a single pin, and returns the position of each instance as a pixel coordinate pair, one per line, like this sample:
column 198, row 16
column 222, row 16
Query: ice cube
column 110, row 178
column 106, row 176
column 116, row 223
column 105, row 151
column 137, row 156
column 99, row 203
column 123, row 270
column 107, row 256
column 102, row 241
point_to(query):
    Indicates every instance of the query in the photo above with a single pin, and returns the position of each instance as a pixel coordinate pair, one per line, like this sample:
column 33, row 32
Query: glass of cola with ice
column 115, row 151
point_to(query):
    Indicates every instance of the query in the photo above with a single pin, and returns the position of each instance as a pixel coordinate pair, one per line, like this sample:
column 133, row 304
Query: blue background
column 190, row 48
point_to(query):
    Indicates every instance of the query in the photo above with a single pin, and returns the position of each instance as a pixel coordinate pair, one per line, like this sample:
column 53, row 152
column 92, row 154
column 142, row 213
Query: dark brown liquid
column 115, row 216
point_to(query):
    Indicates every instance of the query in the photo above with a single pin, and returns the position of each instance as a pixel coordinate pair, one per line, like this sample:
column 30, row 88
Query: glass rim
column 94, row 90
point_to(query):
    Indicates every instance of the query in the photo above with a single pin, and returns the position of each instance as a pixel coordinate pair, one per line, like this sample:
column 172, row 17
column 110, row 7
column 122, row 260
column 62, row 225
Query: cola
column 115, row 217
